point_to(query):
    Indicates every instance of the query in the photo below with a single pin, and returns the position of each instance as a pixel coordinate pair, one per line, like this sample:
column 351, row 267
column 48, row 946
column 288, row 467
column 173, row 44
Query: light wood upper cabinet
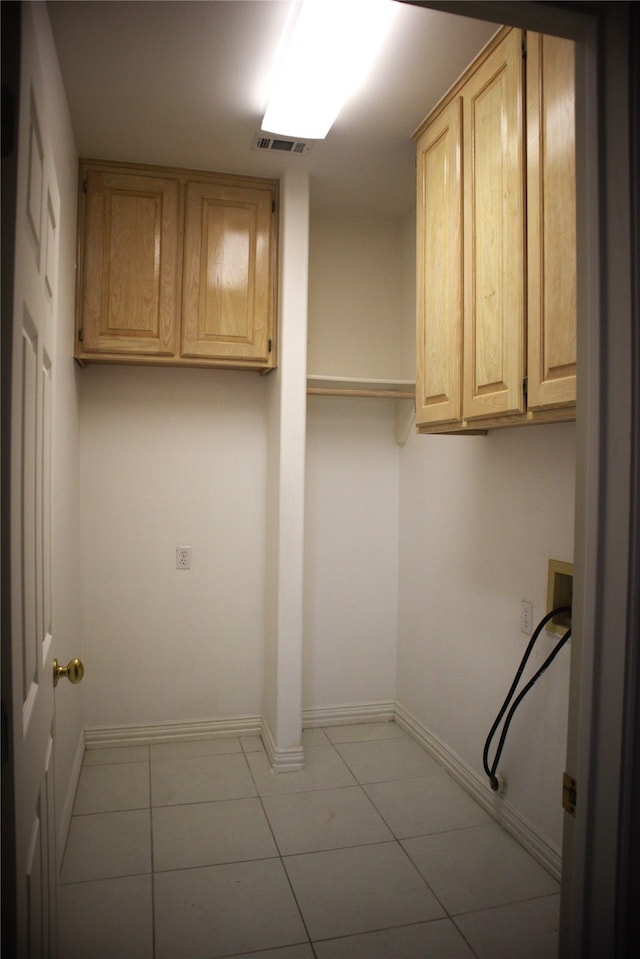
column 493, row 184
column 439, row 275
column 176, row 268
column 227, row 272
column 496, row 242
column 551, row 221
column 130, row 293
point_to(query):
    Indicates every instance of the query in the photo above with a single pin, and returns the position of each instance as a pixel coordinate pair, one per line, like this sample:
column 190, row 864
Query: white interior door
column 34, row 311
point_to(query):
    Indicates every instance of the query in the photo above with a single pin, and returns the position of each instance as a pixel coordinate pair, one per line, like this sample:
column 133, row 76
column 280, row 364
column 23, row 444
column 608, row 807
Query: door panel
column 228, row 286
column 494, row 235
column 551, row 221
column 439, row 272
column 34, row 308
column 129, row 294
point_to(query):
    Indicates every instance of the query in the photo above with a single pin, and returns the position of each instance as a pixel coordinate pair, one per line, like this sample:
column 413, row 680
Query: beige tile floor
column 198, row 850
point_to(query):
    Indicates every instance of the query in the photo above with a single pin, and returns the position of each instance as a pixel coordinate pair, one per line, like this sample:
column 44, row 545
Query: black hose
column 491, row 771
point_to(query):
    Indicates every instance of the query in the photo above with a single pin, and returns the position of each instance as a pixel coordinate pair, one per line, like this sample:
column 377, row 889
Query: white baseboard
column 144, row 734
column 379, row 712
column 498, row 807
column 69, row 799
column 287, row 760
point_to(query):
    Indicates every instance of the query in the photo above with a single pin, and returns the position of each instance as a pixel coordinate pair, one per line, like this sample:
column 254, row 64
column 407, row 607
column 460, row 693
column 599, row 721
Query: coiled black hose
column 491, row 770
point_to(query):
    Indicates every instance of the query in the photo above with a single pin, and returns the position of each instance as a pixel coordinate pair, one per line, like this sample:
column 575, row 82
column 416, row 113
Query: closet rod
column 336, row 391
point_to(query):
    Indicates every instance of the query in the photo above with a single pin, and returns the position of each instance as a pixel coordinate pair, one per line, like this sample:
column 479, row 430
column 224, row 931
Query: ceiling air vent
column 262, row 141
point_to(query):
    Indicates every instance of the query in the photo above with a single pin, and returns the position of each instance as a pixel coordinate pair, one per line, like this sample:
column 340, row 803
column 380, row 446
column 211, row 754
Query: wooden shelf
column 355, row 386
column 360, row 387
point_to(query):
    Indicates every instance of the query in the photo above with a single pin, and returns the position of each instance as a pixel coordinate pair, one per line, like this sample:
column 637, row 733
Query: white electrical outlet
column 183, row 557
column 526, row 617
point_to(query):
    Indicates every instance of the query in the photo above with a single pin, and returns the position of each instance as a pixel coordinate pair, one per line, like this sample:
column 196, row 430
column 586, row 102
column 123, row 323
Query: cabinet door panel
column 131, row 264
column 439, row 270
column 494, row 235
column 227, row 294
column 552, row 284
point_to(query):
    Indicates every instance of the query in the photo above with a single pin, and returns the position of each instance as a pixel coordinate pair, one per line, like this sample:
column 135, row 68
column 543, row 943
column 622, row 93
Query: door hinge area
column 4, row 736
column 269, row 346
column 569, row 794
column 8, row 120
column 525, row 387
column 80, row 335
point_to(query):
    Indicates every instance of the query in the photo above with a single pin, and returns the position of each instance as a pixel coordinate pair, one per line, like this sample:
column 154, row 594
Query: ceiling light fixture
column 331, row 47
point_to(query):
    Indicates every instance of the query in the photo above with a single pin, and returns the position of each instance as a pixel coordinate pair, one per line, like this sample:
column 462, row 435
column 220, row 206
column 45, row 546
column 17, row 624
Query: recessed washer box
column 559, row 593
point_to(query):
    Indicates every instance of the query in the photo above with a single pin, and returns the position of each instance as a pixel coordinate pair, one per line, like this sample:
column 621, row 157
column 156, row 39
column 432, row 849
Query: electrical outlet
column 526, row 617
column 502, row 784
column 183, row 557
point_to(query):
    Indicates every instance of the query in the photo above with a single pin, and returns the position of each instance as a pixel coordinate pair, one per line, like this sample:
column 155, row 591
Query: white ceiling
column 182, row 83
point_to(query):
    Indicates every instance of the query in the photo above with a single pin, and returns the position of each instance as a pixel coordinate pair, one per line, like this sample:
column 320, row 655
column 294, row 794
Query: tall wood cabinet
column 175, row 267
column 496, row 266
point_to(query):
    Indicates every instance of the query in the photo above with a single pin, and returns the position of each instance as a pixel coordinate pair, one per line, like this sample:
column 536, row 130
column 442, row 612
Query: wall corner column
column 282, row 696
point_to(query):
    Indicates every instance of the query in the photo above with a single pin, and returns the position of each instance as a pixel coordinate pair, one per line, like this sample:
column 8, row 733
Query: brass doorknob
column 74, row 671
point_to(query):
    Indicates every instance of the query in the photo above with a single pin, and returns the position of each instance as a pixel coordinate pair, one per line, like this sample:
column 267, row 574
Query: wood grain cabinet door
column 494, row 234
column 228, row 284
column 551, row 219
column 130, row 250
column 439, row 270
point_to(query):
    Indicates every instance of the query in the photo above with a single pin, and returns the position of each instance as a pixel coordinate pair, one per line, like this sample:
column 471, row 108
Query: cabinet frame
column 531, row 377
column 494, row 234
column 160, row 340
column 439, row 327
column 106, row 325
column 551, row 223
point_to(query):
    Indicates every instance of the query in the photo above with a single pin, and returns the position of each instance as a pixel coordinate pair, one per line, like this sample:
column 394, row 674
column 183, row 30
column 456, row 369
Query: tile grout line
column 153, row 872
column 399, row 925
column 399, row 843
column 395, row 838
column 461, row 933
column 360, row 786
column 280, row 857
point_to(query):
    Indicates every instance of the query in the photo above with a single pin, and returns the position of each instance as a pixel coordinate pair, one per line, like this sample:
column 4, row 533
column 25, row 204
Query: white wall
column 359, row 326
column 357, row 305
column 479, row 519
column 408, row 293
column 351, row 552
column 172, row 458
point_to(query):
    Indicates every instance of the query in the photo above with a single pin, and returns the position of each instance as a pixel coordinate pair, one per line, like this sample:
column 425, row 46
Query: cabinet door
column 228, row 283
column 494, row 234
column 130, row 264
column 552, row 284
column 439, row 270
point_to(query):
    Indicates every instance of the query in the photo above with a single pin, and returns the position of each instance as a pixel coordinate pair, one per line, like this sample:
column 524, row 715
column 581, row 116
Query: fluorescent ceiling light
column 331, row 48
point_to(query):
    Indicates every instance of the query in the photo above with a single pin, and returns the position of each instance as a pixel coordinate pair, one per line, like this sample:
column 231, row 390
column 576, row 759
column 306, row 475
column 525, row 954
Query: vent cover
column 263, row 141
